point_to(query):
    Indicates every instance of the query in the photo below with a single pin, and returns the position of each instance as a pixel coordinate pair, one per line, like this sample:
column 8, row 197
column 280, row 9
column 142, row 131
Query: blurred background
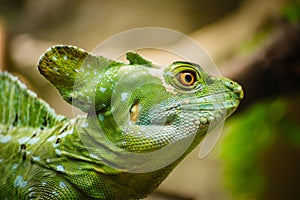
column 255, row 42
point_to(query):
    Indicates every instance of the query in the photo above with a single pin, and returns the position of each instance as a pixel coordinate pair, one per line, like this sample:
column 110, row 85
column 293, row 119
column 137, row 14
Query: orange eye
column 187, row 78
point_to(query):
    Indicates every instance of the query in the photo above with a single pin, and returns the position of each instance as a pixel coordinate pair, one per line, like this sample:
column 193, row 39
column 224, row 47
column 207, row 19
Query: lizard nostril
column 230, row 84
column 235, row 88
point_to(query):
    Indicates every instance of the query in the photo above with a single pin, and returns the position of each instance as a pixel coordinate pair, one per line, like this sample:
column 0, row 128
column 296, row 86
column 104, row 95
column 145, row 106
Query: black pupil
column 188, row 78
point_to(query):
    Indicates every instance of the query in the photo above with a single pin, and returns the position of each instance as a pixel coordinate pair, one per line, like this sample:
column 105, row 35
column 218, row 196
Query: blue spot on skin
column 170, row 74
column 102, row 89
column 94, row 156
column 60, row 168
column 36, row 158
column 62, row 185
column 15, row 166
column 52, row 138
column 5, row 139
column 24, row 183
column 23, row 140
column 124, row 96
column 85, row 125
column 64, row 134
column 44, row 183
column 100, row 117
column 32, row 194
column 55, row 193
column 57, row 151
column 19, row 182
column 55, row 145
column 1, row 160
column 54, row 58
column 33, row 141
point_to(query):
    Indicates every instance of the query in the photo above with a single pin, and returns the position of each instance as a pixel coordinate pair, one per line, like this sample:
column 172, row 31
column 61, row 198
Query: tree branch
column 274, row 70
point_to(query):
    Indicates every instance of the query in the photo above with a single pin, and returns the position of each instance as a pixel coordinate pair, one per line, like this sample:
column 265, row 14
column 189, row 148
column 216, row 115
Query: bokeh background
column 255, row 42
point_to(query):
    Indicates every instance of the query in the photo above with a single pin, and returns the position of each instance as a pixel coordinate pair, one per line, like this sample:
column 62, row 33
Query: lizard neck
column 82, row 154
column 88, row 162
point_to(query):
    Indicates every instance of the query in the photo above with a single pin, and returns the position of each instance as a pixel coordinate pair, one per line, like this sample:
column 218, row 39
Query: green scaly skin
column 133, row 110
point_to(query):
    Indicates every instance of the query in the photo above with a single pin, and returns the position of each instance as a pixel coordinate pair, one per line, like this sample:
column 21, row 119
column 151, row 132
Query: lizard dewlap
column 141, row 121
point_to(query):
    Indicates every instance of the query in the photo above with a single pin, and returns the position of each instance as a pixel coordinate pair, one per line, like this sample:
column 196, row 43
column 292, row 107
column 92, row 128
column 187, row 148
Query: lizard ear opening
column 73, row 72
column 134, row 112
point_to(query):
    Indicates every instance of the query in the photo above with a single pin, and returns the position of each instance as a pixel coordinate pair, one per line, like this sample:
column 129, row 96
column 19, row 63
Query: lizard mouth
column 204, row 110
column 208, row 109
column 217, row 101
column 199, row 111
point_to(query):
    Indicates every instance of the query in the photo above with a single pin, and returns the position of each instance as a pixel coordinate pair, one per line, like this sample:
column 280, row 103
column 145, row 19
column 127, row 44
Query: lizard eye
column 186, row 78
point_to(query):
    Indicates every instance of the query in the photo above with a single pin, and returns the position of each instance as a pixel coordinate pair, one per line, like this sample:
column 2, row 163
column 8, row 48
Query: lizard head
column 140, row 106
column 210, row 99
column 154, row 106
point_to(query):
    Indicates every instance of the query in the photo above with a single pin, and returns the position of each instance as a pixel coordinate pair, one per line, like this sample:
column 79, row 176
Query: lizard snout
column 235, row 88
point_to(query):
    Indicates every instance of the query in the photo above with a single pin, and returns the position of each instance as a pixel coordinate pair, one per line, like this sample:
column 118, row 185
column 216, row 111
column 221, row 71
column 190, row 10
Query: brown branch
column 274, row 70
column 2, row 46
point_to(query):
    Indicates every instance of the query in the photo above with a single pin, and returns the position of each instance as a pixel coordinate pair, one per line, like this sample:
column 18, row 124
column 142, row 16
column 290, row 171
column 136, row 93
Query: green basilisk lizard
column 133, row 111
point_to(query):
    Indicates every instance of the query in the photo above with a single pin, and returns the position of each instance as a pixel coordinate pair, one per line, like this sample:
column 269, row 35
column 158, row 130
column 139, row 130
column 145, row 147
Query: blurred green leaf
column 249, row 136
column 292, row 11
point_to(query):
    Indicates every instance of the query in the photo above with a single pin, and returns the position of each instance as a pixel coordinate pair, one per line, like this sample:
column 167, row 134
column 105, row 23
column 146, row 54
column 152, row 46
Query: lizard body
column 133, row 111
